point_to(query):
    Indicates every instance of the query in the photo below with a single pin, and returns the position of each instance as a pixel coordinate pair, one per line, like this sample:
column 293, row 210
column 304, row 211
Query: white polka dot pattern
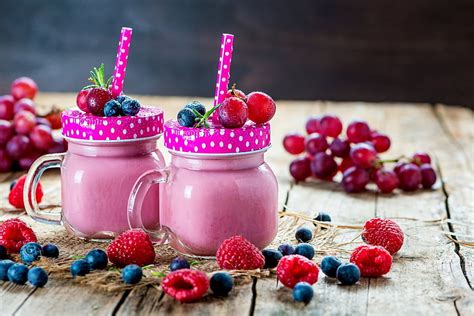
column 216, row 140
column 79, row 125
column 121, row 61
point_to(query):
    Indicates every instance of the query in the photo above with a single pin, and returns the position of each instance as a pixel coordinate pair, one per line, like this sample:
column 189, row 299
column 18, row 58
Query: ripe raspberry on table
column 131, row 247
column 383, row 232
column 296, row 268
column 186, row 285
column 373, row 261
column 15, row 198
column 14, row 233
column 237, row 253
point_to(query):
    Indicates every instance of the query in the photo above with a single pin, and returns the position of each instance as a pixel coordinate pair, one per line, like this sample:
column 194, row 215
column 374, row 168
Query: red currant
column 261, row 107
column 294, row 143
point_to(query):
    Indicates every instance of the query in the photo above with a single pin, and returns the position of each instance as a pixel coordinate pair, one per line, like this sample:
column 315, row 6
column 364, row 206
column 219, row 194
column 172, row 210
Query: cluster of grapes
column 356, row 157
column 24, row 136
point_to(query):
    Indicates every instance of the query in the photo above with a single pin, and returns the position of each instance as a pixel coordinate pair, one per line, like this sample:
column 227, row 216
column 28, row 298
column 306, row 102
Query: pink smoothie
column 97, row 178
column 209, row 198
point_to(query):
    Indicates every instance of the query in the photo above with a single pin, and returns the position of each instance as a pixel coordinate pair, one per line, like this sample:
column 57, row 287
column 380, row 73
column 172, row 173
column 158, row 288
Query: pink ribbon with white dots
column 121, row 61
column 223, row 70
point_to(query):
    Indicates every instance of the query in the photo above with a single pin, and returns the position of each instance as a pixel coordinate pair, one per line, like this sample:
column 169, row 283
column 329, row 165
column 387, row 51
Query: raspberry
column 14, row 233
column 237, row 253
column 295, row 268
column 131, row 247
column 373, row 261
column 383, row 232
column 16, row 193
column 186, row 285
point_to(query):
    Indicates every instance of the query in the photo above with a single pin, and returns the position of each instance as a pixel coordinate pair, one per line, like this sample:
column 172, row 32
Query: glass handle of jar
column 37, row 169
column 135, row 202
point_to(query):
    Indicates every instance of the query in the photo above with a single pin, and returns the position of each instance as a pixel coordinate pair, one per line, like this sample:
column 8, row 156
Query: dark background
column 380, row 50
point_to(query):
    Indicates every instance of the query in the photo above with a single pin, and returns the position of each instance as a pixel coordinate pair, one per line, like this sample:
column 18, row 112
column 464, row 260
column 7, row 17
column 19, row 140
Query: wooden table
column 430, row 275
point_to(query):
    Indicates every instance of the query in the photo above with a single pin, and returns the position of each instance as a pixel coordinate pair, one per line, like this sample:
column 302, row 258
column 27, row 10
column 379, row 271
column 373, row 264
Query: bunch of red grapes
column 24, row 136
column 356, row 156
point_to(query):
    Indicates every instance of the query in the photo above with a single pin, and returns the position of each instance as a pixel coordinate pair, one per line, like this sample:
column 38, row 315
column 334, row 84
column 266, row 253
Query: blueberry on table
column 196, row 106
column 179, row 263
column 221, row 283
column 18, row 273
column 4, row 266
column 303, row 292
column 50, row 251
column 132, row 274
column 304, row 234
column 305, row 250
column 286, row 249
column 348, row 274
column 272, row 257
column 37, row 277
column 322, row 217
column 186, row 117
column 97, row 259
column 329, row 266
column 30, row 252
column 112, row 108
column 130, row 107
column 80, row 267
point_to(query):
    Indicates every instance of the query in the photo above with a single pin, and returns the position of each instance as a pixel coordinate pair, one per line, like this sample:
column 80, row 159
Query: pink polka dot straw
column 223, row 71
column 121, row 61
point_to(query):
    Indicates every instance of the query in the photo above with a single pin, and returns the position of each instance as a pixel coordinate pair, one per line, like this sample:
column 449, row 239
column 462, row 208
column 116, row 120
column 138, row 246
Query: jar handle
column 135, row 203
column 37, row 169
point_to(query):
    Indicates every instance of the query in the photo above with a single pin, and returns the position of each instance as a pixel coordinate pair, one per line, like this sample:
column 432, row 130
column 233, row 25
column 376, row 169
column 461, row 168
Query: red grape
column 6, row 107
column 238, row 94
column 6, row 131
column 420, row 158
column 26, row 161
column 323, row 166
column 363, row 155
column 261, row 107
column 340, row 147
column 41, row 137
column 398, row 166
column 355, row 180
column 386, row 180
column 300, row 169
column 59, row 145
column 24, row 122
column 6, row 161
column 315, row 143
column 312, row 125
column 381, row 142
column 428, row 175
column 358, row 132
column 345, row 164
column 24, row 105
column 294, row 143
column 19, row 146
column 24, row 87
column 233, row 113
column 43, row 121
column 330, row 125
column 410, row 177
column 81, row 100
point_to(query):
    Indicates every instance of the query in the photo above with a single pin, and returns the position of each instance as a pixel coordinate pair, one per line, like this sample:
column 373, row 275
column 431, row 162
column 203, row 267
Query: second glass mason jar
column 217, row 186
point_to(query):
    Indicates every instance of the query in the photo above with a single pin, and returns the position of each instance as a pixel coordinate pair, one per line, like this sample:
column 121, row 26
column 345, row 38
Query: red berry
column 428, row 176
column 233, row 113
column 238, row 94
column 355, row 179
column 96, row 99
column 59, row 145
column 7, row 132
column 383, row 232
column 16, row 194
column 6, row 107
column 345, row 164
column 186, row 285
column 296, row 268
column 373, row 261
column 24, row 105
column 330, row 125
column 398, row 166
column 237, row 253
column 261, row 106
column 41, row 137
column 6, row 162
column 323, row 166
column 27, row 160
column 381, row 142
column 24, row 122
column 358, row 132
column 14, row 233
column 131, row 247
column 19, row 146
column 24, row 87
column 315, row 143
column 420, row 158
column 340, row 147
column 294, row 143
column 386, row 180
column 363, row 155
column 410, row 177
column 81, row 100
column 312, row 125
column 55, row 120
column 300, row 169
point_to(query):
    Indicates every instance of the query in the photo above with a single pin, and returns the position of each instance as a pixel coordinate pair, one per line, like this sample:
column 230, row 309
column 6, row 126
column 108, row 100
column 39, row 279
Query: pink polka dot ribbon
column 223, row 70
column 216, row 140
column 121, row 61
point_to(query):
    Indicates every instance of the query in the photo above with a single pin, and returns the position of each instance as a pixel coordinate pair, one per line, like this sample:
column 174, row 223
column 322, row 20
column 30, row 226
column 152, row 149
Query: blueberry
column 221, row 283
column 4, row 266
column 286, row 249
column 112, row 108
column 50, row 251
column 3, row 252
column 348, row 274
column 130, row 107
column 304, row 234
column 80, row 267
column 197, row 106
column 329, row 266
column 97, row 259
column 37, row 277
column 30, row 252
column 306, row 250
column 186, row 118
column 132, row 274
column 122, row 98
column 179, row 263
column 18, row 273
column 272, row 257
column 322, row 217
column 303, row 292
